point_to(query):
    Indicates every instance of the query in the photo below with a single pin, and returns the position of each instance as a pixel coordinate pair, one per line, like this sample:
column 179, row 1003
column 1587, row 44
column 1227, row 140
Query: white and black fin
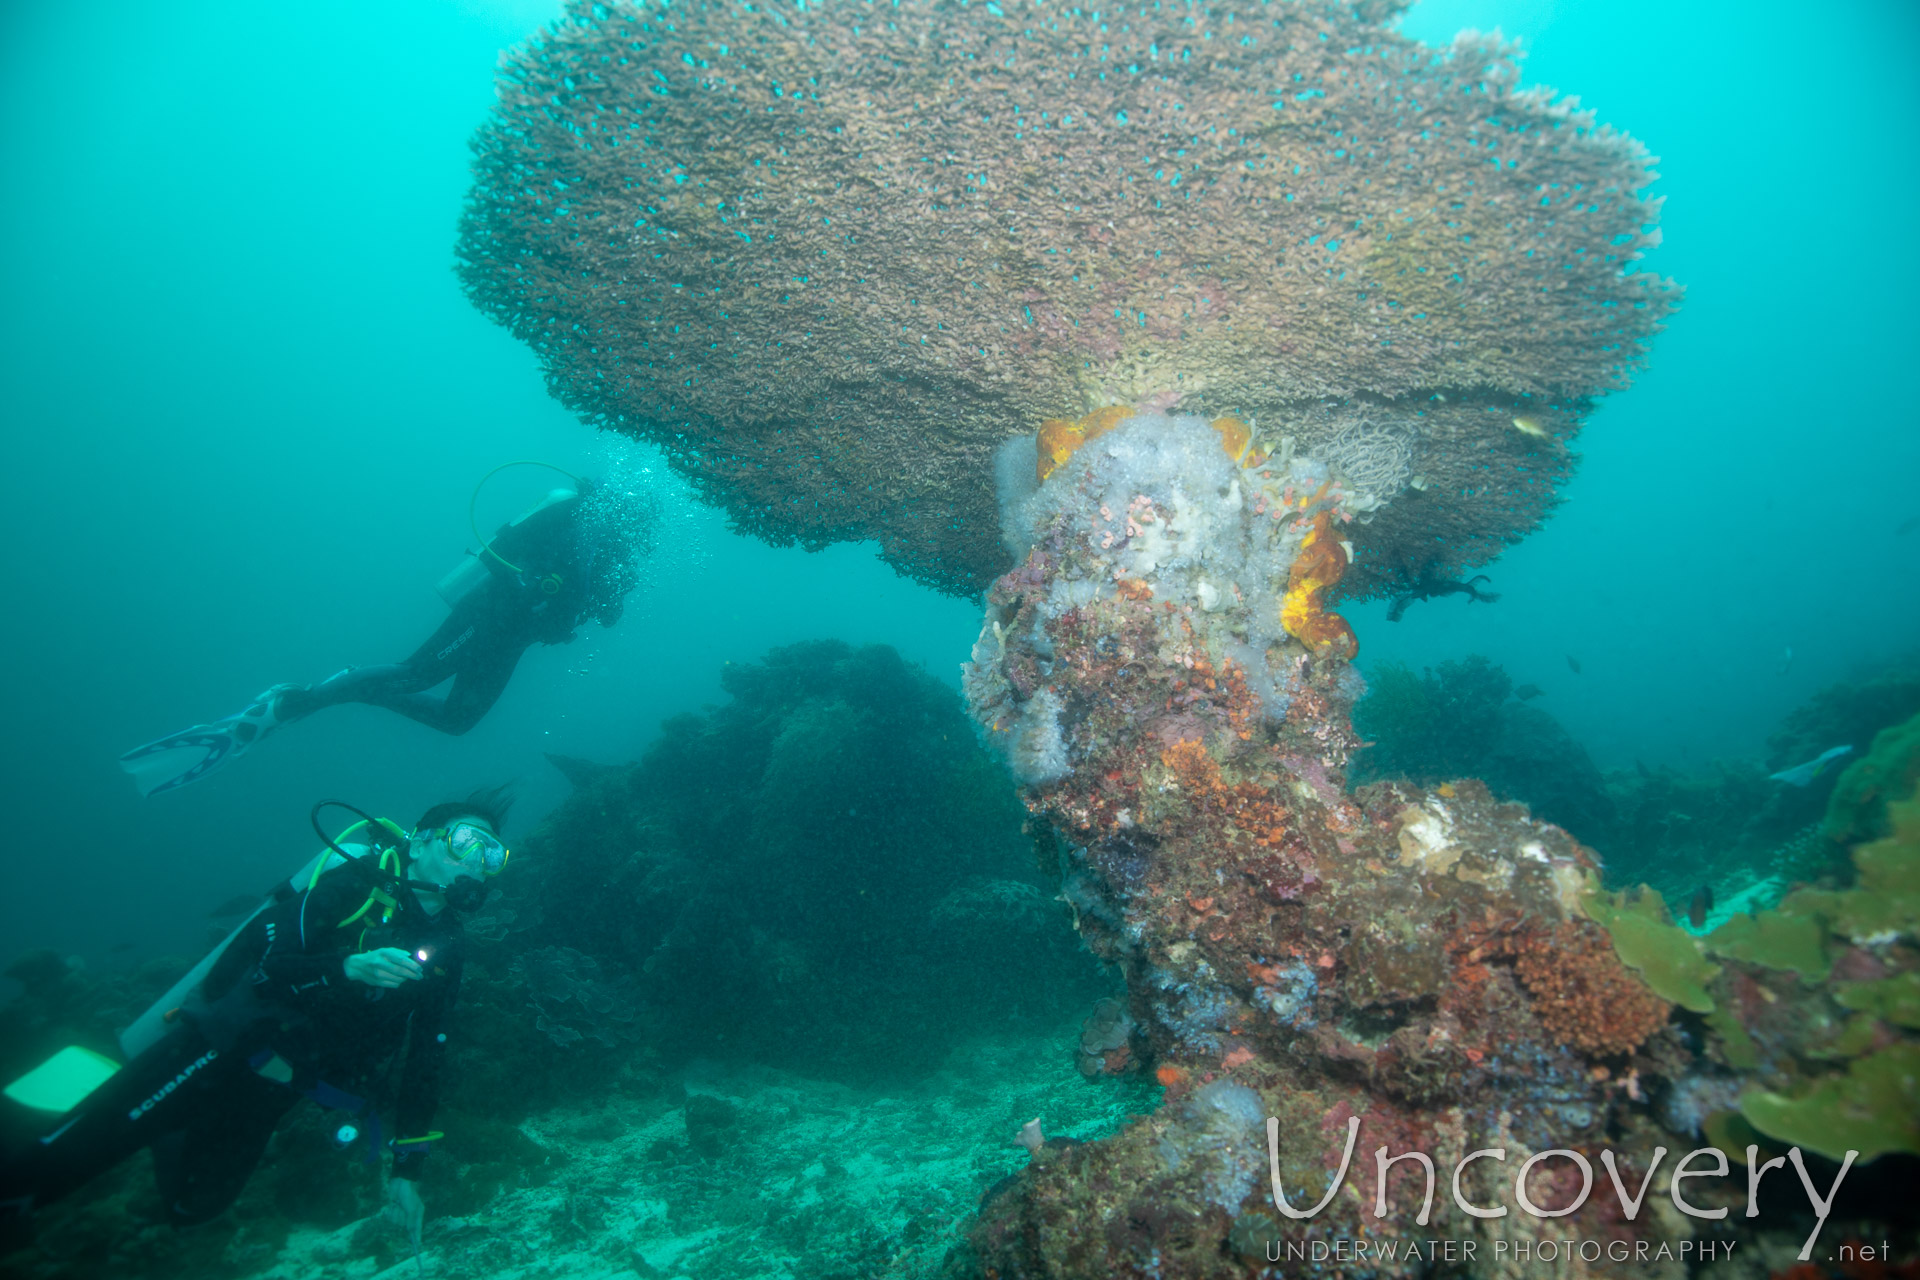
column 191, row 754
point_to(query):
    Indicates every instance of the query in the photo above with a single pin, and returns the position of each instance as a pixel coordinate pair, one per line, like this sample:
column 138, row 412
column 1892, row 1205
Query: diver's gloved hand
column 406, row 1209
column 384, row 967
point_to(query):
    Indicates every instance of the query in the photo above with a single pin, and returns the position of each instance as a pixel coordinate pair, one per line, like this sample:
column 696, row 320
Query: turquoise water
column 246, row 403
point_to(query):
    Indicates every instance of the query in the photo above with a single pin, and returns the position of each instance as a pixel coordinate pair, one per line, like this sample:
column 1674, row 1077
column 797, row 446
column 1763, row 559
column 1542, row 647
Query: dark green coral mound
column 1725, row 825
column 1849, row 711
column 828, row 873
column 1459, row 720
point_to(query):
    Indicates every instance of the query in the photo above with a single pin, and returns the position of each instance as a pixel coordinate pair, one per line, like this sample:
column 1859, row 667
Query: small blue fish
column 1803, row 774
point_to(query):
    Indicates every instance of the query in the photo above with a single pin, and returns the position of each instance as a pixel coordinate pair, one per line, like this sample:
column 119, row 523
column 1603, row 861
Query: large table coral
column 828, row 256
column 1175, row 324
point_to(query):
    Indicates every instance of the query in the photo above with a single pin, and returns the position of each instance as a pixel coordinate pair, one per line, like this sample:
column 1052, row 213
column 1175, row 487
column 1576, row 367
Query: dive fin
column 62, row 1081
column 191, row 754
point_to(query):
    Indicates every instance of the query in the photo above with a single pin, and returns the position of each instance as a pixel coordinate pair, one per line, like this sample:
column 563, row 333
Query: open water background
column 245, row 404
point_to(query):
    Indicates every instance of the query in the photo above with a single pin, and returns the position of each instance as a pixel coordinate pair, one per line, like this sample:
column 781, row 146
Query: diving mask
column 466, row 842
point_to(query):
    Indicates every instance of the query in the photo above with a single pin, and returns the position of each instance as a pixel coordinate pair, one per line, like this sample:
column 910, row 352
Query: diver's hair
column 488, row 803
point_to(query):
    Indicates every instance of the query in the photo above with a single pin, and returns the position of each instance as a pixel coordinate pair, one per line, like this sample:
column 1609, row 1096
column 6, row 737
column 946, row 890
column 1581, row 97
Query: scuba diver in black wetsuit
column 545, row 575
column 535, row 582
column 353, row 961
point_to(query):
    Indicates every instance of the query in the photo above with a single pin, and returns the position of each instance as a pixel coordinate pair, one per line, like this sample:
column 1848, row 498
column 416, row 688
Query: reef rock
column 1439, row 967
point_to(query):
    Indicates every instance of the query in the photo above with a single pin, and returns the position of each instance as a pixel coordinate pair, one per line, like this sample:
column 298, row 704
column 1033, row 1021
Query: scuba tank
column 464, row 578
column 63, row 1080
column 147, row 1030
column 154, row 1023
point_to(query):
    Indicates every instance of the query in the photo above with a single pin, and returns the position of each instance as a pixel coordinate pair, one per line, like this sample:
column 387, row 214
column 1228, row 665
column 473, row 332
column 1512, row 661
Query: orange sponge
column 1319, row 565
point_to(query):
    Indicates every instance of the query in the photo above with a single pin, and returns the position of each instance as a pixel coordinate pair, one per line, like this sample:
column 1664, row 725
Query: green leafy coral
column 1851, row 1083
column 1647, row 941
column 1883, row 905
column 1873, row 1109
column 1736, row 1045
column 1895, row 1000
column 1861, row 804
column 1783, row 938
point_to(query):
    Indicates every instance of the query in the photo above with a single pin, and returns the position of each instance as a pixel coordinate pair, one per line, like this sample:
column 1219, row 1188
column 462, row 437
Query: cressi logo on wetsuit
column 458, row 640
column 171, row 1085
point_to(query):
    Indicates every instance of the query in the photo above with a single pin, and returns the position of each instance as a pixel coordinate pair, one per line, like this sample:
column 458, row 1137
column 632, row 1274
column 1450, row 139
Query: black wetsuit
column 276, row 1004
column 569, row 572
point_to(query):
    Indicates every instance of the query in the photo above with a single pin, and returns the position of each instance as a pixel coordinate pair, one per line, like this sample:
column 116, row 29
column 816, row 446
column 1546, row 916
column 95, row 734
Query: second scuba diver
column 343, row 968
column 535, row 582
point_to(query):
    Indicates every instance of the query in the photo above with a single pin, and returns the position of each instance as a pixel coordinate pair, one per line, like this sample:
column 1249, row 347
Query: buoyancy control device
column 65, row 1079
